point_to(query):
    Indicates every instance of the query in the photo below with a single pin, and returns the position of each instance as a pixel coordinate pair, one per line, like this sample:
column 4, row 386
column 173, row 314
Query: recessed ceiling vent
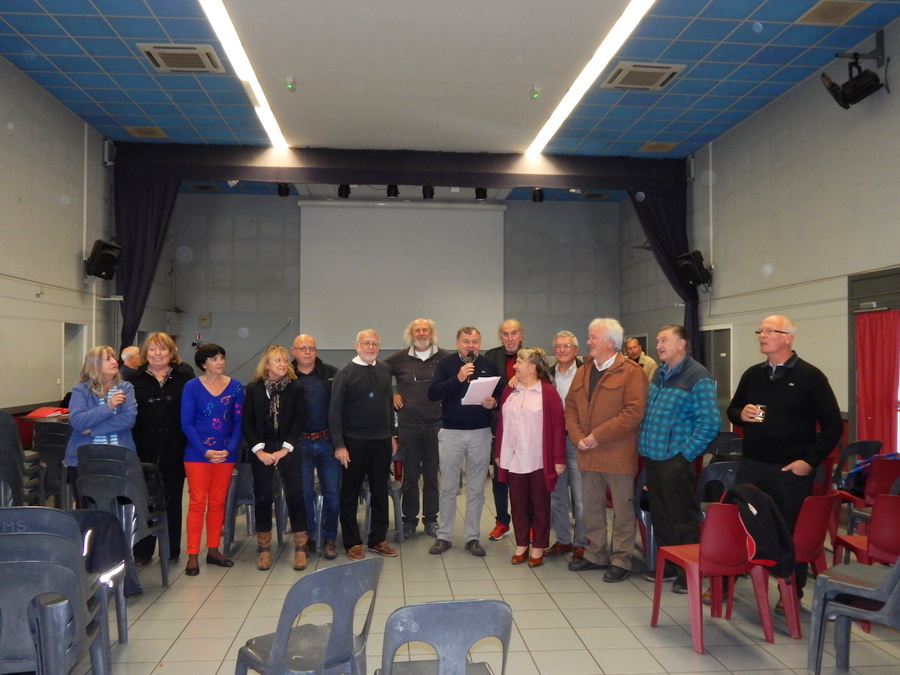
column 642, row 76
column 594, row 195
column 832, row 12
column 657, row 146
column 146, row 132
column 182, row 58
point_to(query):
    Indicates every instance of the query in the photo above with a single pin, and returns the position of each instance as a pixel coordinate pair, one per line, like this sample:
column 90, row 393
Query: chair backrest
column 721, row 444
column 880, row 477
column 109, row 475
column 31, row 564
column 340, row 587
column 724, row 473
column 884, row 529
column 49, row 442
column 11, row 457
column 858, row 449
column 40, row 519
column 450, row 627
column 723, row 541
column 812, row 526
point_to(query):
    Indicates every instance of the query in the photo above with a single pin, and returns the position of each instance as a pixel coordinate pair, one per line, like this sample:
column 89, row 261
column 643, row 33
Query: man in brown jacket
column 604, row 409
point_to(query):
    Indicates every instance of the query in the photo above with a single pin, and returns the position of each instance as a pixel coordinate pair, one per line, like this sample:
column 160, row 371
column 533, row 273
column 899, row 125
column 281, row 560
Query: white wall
column 54, row 202
column 797, row 198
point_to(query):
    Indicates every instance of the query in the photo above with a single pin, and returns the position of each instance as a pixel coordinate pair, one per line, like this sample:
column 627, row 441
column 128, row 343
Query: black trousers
column 419, row 452
column 787, row 489
column 675, row 514
column 173, row 482
column 291, row 469
column 369, row 459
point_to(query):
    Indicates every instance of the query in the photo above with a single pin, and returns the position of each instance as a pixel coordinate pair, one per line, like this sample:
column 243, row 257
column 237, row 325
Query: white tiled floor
column 565, row 622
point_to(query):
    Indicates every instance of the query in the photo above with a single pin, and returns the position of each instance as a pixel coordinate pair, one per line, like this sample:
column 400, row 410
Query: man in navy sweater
column 781, row 445
column 465, row 436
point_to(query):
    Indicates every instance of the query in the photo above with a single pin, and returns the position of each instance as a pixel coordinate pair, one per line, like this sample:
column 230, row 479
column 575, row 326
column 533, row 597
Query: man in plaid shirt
column 682, row 418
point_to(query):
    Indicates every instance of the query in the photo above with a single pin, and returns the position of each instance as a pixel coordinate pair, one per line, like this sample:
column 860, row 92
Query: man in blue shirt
column 682, row 418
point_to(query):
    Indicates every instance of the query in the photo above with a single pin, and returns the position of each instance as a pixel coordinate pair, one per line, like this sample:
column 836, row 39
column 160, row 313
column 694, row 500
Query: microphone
column 470, row 358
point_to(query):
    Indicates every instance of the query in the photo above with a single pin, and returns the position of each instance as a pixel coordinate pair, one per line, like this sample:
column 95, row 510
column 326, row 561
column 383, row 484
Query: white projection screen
column 381, row 266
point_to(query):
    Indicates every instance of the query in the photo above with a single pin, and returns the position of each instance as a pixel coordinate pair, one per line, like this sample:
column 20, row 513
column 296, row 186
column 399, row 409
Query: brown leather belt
column 315, row 436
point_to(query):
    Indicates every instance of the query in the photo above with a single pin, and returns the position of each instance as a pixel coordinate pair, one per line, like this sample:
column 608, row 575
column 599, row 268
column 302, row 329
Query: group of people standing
column 560, row 437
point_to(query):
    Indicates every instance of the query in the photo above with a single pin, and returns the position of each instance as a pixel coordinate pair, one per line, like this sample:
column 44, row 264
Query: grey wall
column 235, row 257
column 54, row 202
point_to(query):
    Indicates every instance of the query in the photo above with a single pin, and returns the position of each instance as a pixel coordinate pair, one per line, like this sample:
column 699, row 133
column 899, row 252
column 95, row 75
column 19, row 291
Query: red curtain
column 877, row 376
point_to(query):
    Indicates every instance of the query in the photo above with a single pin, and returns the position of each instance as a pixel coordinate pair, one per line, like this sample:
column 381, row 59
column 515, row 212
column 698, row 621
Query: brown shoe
column 558, row 549
column 263, row 557
column 300, row 540
column 356, row 552
column 779, row 607
column 519, row 558
column 384, row 550
column 329, row 550
column 536, row 561
column 577, row 553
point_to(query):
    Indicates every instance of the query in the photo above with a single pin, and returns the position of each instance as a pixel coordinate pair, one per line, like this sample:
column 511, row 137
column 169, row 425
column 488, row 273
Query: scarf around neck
column 274, row 389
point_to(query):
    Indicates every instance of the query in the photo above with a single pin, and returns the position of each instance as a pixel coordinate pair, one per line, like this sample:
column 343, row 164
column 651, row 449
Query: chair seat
column 428, row 668
column 305, row 649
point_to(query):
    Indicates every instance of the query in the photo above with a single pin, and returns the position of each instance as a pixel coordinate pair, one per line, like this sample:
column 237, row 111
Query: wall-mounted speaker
column 691, row 269
column 103, row 260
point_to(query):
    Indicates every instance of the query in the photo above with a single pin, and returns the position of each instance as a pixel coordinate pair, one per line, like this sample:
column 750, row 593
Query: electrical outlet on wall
column 206, row 320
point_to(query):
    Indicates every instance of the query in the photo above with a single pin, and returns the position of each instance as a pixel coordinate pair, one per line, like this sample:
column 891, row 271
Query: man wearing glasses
column 361, row 420
column 420, row 421
column 316, row 451
column 565, row 348
column 780, row 403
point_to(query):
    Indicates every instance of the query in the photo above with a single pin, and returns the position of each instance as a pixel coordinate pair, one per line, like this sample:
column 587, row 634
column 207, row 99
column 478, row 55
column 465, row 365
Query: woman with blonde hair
column 158, row 383
column 102, row 408
column 272, row 422
column 530, row 452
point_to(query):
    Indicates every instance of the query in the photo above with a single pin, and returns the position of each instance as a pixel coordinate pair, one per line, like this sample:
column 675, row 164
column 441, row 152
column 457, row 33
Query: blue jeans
column 559, row 501
column 318, row 457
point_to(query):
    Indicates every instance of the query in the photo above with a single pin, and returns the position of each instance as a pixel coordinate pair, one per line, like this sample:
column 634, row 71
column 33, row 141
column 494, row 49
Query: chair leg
column 398, row 513
column 760, row 579
column 842, row 642
column 163, row 537
column 695, row 606
column 657, row 587
column 788, row 590
column 816, row 632
column 230, row 517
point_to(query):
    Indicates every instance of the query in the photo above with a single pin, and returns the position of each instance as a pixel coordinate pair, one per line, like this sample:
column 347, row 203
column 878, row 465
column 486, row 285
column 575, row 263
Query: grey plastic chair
column 331, row 648
column 19, row 472
column 846, row 592
column 50, row 612
column 451, row 628
column 50, row 439
column 110, row 478
column 395, row 492
column 723, row 473
column 646, row 521
column 240, row 493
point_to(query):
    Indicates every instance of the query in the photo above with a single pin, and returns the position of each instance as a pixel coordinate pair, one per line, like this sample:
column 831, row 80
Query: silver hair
column 408, row 336
column 566, row 334
column 612, row 328
column 368, row 330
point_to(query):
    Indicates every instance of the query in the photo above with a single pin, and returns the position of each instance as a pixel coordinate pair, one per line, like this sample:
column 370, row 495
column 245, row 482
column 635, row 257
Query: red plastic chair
column 882, row 543
column 811, row 528
column 722, row 552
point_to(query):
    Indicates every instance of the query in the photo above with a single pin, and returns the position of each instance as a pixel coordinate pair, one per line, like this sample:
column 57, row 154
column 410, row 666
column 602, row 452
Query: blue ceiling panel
column 739, row 56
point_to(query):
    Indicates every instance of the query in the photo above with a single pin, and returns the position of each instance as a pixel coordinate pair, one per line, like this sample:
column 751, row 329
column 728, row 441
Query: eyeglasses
column 368, row 344
column 303, row 349
column 566, row 346
column 770, row 331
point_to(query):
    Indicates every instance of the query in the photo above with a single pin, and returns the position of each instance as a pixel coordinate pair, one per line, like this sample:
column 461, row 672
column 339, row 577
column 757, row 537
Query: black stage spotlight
column 103, row 260
column 343, row 191
column 392, row 192
column 480, row 194
column 537, row 195
column 692, row 270
column 860, row 85
column 284, row 189
column 428, row 192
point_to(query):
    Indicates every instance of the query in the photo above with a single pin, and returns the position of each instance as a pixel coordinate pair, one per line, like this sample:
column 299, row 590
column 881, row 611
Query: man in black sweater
column 361, row 420
column 780, row 404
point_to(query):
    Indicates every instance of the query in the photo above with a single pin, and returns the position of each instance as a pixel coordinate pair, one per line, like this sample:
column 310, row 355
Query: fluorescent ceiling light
column 221, row 23
column 611, row 44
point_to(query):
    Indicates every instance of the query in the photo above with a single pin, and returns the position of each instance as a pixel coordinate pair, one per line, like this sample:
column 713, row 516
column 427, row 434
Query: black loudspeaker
column 691, row 269
column 103, row 260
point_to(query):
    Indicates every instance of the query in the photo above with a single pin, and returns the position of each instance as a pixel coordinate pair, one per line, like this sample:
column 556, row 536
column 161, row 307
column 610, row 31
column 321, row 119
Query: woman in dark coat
column 272, row 422
column 158, row 384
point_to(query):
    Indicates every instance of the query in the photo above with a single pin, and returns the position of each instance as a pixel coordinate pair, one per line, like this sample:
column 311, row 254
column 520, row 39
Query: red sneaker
column 499, row 531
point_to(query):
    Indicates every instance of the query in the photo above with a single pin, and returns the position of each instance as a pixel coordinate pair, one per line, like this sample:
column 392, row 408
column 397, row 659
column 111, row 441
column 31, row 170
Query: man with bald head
column 316, row 451
column 791, row 421
column 419, row 423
